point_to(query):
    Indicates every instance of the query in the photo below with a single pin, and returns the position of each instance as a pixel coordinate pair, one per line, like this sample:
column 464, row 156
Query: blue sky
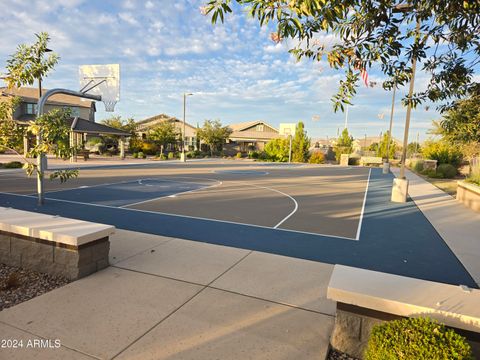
column 166, row 48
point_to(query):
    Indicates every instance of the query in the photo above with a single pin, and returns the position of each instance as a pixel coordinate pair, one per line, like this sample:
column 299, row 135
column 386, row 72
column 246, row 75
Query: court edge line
column 185, row 216
column 359, row 229
column 175, row 194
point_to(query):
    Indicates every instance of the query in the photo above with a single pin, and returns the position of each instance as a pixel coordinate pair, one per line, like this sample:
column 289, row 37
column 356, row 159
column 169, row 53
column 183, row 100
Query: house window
column 30, row 108
column 260, row 127
column 75, row 110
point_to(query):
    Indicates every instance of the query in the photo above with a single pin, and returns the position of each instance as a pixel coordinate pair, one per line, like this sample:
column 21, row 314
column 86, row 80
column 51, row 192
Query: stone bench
column 371, row 160
column 366, row 298
column 52, row 244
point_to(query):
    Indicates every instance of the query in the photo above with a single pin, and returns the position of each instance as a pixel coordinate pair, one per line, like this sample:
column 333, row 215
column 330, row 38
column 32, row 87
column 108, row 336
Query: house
column 82, row 123
column 191, row 139
column 251, row 135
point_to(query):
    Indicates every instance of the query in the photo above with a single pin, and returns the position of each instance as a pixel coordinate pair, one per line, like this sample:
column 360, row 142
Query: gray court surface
column 337, row 215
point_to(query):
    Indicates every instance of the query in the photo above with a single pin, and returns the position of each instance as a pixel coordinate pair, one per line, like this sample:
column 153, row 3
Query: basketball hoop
column 103, row 80
column 109, row 105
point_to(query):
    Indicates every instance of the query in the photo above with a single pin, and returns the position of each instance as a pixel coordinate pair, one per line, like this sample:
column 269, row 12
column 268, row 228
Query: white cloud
column 128, row 18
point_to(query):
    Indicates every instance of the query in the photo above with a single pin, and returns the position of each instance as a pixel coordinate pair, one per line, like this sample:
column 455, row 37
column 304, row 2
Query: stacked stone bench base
column 366, row 298
column 72, row 262
column 53, row 245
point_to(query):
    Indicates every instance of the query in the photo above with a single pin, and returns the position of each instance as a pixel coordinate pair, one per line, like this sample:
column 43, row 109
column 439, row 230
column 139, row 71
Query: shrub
column 277, row 150
column 253, row 155
column 141, row 155
column 474, row 176
column 171, row 155
column 442, row 152
column 317, row 158
column 432, row 174
column 148, row 147
column 135, row 155
column 416, row 338
column 239, row 155
column 448, row 171
column 162, row 157
column 13, row 165
column 417, row 165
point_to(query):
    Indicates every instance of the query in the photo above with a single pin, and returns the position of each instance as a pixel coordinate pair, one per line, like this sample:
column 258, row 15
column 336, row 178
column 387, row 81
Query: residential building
column 82, row 122
column 250, row 135
column 191, row 139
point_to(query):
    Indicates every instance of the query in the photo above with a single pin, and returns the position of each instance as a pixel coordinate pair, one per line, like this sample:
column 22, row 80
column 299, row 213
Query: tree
column 300, row 144
column 164, row 133
column 214, row 134
column 373, row 147
column 378, row 31
column 344, row 144
column 24, row 67
column 11, row 133
column 460, row 126
column 382, row 147
column 129, row 125
column 29, row 63
column 461, row 123
column 277, row 150
column 413, row 148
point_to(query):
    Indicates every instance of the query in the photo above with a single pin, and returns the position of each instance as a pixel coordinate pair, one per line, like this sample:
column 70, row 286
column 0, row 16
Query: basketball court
column 330, row 214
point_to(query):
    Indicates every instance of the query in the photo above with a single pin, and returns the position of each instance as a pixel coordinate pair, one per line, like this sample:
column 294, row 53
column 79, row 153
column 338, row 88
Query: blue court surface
column 393, row 238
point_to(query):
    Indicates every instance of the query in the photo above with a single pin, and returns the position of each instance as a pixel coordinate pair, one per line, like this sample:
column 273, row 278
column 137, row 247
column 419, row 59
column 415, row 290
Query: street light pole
column 182, row 156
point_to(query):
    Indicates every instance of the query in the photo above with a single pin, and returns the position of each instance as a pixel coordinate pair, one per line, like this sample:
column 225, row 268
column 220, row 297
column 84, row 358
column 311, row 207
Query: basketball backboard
column 287, row 129
column 103, row 80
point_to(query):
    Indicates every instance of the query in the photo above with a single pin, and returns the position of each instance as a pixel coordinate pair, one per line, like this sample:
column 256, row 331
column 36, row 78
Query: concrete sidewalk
column 166, row 298
column 458, row 225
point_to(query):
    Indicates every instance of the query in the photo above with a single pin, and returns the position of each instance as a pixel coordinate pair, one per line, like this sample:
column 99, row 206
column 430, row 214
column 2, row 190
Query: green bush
column 171, row 155
column 277, row 150
column 474, row 176
column 448, row 171
column 239, row 155
column 432, row 174
column 416, row 338
column 141, row 155
column 253, row 155
column 11, row 165
column 443, row 152
column 135, row 155
column 417, row 165
column 317, row 158
column 148, row 147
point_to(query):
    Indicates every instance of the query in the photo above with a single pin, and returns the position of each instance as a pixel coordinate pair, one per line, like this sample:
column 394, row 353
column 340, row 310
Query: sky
column 235, row 72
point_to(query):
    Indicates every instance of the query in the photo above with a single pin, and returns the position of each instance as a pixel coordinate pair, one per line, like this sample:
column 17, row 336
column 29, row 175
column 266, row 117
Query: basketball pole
column 41, row 158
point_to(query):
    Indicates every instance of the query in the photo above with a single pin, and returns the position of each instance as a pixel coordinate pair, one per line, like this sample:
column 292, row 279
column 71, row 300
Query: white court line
column 174, row 195
column 282, row 193
column 187, row 217
column 130, row 181
column 357, row 237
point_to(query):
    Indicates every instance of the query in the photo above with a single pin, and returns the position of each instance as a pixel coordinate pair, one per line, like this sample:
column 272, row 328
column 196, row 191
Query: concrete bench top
column 456, row 306
column 52, row 228
column 371, row 159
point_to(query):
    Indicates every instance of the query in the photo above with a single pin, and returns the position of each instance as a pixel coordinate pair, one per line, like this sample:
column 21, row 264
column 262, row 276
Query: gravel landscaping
column 18, row 285
column 337, row 355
